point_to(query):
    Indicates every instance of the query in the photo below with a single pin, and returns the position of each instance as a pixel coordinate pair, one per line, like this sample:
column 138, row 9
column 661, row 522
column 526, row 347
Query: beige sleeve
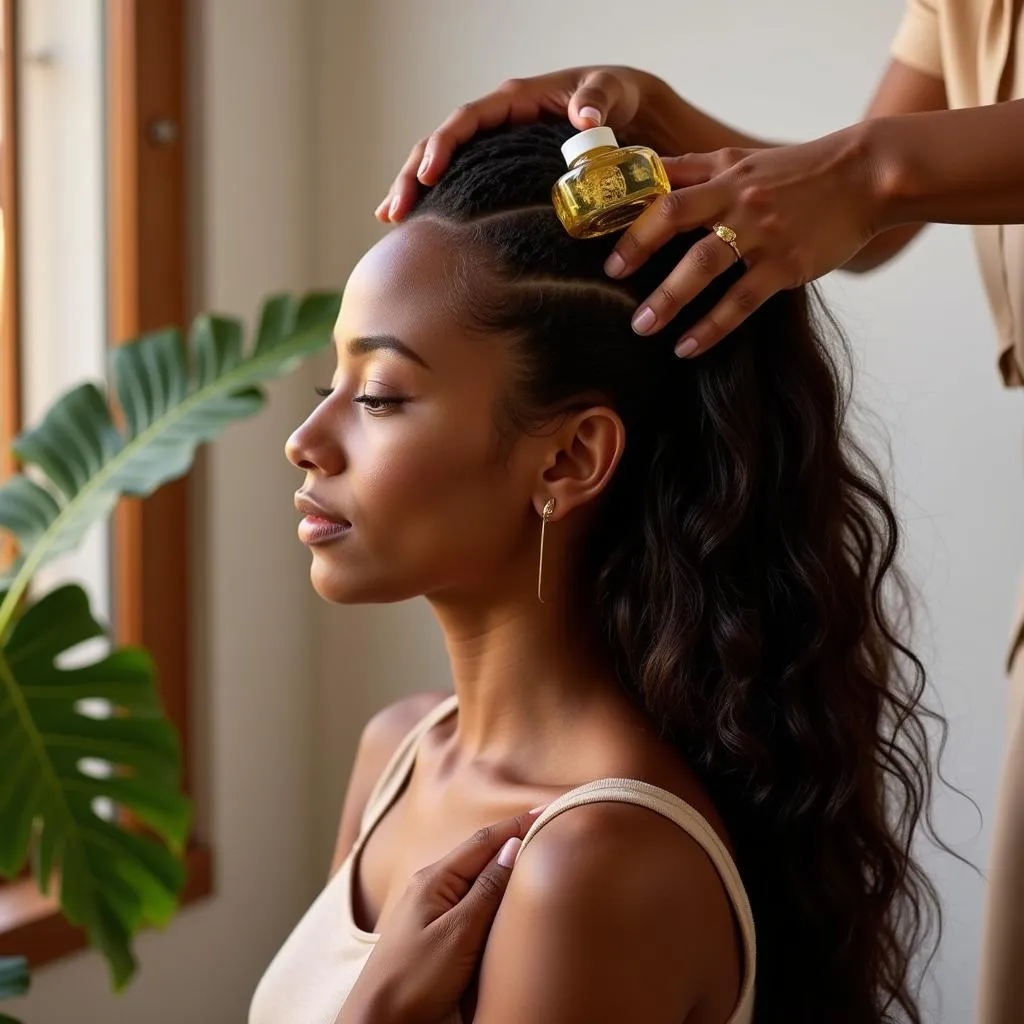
column 917, row 39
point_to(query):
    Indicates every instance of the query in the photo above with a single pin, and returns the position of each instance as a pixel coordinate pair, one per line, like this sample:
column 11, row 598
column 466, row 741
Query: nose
column 314, row 447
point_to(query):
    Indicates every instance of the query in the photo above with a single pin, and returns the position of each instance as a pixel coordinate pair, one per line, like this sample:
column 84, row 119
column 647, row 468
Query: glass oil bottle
column 606, row 188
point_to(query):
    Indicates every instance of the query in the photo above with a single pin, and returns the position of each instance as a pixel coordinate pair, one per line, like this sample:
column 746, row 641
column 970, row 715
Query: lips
column 319, row 525
column 310, row 507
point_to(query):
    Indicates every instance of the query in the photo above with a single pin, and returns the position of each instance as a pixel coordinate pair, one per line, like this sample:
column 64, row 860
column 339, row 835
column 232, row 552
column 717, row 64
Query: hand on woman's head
column 790, row 214
column 587, row 96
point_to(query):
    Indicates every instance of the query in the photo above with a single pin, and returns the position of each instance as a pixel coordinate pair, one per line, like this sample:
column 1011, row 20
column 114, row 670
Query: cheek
column 435, row 493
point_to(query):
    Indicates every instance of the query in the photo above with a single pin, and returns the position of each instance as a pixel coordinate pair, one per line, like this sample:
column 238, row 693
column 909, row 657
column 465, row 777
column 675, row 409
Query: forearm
column 882, row 248
column 676, row 127
column 951, row 166
column 361, row 1014
column 363, row 1008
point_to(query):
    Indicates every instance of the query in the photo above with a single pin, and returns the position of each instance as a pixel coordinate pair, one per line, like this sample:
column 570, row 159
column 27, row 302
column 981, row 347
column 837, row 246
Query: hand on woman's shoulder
column 612, row 913
column 379, row 740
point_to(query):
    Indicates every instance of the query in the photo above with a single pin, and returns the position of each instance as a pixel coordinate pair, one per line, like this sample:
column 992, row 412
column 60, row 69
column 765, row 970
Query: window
column 92, row 196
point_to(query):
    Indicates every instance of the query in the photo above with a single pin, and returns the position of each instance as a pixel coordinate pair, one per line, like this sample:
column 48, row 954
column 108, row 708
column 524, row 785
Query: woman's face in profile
column 404, row 449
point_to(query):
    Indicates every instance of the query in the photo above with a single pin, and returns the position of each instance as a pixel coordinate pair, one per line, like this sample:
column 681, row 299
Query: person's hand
column 618, row 97
column 798, row 212
column 434, row 937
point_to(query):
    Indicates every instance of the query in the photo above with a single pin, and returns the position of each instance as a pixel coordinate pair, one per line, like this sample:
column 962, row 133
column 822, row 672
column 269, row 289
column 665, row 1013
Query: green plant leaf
column 112, row 881
column 14, row 979
column 173, row 396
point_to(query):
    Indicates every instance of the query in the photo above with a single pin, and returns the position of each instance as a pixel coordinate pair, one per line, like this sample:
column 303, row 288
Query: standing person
column 943, row 141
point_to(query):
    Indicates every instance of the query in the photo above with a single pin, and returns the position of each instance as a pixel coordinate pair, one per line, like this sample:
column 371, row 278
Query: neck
column 525, row 674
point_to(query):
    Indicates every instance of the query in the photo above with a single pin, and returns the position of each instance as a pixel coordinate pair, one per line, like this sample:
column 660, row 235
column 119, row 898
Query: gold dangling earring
column 549, row 508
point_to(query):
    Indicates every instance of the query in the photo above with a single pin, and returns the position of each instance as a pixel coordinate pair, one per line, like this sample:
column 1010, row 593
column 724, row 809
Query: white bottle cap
column 586, row 141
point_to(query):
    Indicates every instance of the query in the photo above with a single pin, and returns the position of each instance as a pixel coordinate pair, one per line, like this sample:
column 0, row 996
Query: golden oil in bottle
column 606, row 188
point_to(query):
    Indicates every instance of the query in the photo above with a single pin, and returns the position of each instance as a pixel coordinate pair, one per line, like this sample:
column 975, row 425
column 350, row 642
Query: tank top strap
column 400, row 764
column 661, row 801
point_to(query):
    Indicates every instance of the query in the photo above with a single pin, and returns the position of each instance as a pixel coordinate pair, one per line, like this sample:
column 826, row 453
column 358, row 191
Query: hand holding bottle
column 624, row 99
column 792, row 213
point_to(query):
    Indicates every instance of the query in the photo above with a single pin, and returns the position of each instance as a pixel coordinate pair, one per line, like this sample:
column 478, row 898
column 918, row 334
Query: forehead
column 407, row 275
column 409, row 286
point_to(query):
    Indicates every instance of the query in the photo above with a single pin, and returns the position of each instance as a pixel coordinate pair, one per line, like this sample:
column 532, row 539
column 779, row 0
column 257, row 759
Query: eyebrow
column 375, row 342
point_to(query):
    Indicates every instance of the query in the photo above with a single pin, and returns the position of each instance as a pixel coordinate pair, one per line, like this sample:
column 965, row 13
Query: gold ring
column 728, row 236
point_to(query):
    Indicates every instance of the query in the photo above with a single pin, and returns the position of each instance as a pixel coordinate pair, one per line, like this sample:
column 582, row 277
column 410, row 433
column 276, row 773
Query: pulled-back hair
column 741, row 568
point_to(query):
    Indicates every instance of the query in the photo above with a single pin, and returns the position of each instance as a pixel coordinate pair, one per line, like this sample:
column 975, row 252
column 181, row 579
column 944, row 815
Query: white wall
column 253, row 666
column 791, row 69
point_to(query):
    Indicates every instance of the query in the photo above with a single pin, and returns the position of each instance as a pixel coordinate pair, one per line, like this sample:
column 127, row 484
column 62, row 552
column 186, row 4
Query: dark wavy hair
column 741, row 568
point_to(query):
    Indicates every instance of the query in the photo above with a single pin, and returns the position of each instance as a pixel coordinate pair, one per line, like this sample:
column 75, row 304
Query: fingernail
column 536, row 810
column 380, row 207
column 644, row 320
column 686, row 347
column 392, row 208
column 592, row 114
column 424, row 164
column 614, row 265
column 507, row 857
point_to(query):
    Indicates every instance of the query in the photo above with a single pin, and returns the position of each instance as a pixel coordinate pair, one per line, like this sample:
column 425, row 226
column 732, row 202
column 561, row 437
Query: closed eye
column 375, row 403
column 372, row 403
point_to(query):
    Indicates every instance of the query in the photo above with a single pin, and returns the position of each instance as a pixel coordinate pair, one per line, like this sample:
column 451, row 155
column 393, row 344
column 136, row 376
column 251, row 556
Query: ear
column 583, row 454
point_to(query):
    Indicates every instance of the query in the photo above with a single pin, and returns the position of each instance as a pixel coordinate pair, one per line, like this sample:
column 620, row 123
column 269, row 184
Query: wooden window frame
column 147, row 260
column 10, row 330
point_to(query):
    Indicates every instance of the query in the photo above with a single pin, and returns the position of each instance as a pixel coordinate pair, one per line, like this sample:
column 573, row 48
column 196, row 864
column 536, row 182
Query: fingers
column 489, row 886
column 465, row 863
column 702, row 192
column 471, row 919
column 703, row 262
column 589, row 97
column 510, row 102
column 402, row 194
column 431, row 156
column 691, row 169
column 746, row 295
column 665, row 218
column 595, row 100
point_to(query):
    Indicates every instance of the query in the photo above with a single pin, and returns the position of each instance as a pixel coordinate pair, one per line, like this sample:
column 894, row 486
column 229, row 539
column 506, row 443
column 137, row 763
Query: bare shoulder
column 389, row 726
column 612, row 913
column 380, row 738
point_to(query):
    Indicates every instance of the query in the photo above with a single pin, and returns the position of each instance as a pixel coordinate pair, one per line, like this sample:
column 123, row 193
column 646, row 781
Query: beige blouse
column 314, row 971
column 977, row 48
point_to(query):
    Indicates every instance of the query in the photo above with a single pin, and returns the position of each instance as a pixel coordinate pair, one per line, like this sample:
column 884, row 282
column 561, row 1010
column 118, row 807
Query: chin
column 341, row 587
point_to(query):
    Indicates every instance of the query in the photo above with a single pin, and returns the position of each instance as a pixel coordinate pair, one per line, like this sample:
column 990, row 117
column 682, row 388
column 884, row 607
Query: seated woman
column 698, row 667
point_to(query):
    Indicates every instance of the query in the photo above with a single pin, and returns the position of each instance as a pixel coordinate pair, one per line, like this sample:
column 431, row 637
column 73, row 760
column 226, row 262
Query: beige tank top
column 316, row 968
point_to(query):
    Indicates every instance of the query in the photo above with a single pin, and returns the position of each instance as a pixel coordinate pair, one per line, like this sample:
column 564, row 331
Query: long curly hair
column 741, row 565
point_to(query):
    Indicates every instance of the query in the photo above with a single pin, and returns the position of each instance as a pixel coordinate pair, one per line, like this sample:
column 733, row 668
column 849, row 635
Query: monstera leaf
column 68, row 769
column 112, row 880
